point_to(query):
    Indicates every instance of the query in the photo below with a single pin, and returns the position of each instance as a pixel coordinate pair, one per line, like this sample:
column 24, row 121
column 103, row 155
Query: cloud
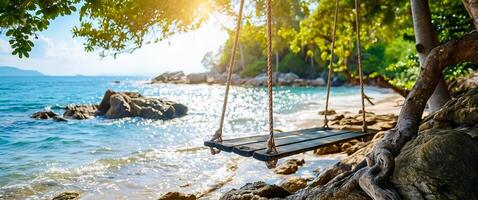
column 5, row 47
column 59, row 54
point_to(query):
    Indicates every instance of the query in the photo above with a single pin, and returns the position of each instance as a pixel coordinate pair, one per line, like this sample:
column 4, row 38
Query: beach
column 134, row 158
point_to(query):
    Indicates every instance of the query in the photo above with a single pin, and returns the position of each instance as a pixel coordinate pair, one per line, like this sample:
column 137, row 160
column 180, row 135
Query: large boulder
column 124, row 104
column 438, row 164
column 127, row 104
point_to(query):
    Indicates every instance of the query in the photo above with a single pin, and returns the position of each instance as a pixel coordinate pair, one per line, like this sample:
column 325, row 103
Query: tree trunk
column 472, row 9
column 381, row 160
column 427, row 39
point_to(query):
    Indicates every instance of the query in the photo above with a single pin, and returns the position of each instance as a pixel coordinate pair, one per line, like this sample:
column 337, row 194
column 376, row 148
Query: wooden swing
column 270, row 148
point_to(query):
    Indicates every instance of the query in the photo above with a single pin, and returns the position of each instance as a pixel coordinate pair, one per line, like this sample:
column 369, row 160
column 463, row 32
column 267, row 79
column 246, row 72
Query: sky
column 57, row 53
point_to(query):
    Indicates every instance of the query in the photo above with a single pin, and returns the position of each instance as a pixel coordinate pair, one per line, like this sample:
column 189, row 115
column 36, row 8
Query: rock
column 67, row 196
column 316, row 83
column 438, row 164
column 216, row 78
column 328, row 150
column 286, row 78
column 44, row 115
column 256, row 191
column 299, row 82
column 123, row 104
column 196, row 78
column 174, row 77
column 59, row 119
column 119, row 107
column 128, row 104
column 177, row 196
column 289, row 167
column 329, row 112
column 293, row 184
column 80, row 111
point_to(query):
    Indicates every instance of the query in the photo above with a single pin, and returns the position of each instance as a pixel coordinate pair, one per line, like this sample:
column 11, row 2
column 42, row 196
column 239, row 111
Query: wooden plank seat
column 287, row 143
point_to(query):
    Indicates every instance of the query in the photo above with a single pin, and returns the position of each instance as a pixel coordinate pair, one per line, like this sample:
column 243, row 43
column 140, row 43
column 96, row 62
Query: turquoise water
column 128, row 158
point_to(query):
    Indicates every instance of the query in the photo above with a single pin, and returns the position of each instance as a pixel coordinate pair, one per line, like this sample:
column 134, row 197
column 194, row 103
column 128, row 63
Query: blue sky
column 56, row 52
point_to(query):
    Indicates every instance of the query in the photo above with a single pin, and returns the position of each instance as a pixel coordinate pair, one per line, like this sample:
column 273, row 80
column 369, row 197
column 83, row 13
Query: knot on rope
column 217, row 137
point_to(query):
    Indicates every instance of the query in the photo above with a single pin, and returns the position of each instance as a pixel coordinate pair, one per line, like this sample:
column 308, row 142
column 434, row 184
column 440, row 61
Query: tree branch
column 380, row 162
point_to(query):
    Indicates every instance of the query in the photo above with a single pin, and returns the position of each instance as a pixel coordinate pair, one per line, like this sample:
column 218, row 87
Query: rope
column 359, row 53
column 218, row 134
column 271, row 148
column 326, row 121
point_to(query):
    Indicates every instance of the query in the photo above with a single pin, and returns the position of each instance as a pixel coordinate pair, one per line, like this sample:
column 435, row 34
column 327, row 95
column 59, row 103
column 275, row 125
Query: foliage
column 254, row 69
column 21, row 21
column 293, row 63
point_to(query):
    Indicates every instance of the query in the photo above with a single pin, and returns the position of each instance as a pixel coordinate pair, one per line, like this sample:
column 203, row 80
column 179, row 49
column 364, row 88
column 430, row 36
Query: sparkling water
column 135, row 158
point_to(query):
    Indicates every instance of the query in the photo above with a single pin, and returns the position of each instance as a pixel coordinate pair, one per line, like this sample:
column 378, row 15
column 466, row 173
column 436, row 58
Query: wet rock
column 44, row 115
column 67, row 196
column 128, row 104
column 293, row 184
column 177, row 196
column 256, row 191
column 329, row 112
column 289, row 167
column 122, row 104
column 80, row 111
column 59, row 119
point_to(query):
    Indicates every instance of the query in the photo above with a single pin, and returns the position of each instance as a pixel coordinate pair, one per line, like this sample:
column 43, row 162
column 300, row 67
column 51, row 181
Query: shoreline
column 307, row 116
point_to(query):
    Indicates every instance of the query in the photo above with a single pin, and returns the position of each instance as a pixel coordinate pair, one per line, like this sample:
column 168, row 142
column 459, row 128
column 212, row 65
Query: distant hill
column 12, row 71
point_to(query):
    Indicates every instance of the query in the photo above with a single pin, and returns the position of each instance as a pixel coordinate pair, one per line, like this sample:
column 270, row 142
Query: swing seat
column 287, row 143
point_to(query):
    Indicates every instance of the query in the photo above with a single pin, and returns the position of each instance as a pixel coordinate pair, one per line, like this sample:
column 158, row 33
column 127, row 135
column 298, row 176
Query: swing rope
column 359, row 56
column 271, row 147
column 218, row 134
column 334, row 34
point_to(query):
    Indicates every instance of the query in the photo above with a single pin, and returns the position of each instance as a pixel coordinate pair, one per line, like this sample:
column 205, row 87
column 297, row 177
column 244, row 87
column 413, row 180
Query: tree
column 109, row 26
column 426, row 39
column 21, row 21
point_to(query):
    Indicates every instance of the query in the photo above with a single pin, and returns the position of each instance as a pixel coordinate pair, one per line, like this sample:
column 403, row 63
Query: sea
column 134, row 158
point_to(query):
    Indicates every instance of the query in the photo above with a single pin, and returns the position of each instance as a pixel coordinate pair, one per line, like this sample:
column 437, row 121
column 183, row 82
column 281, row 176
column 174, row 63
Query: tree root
column 381, row 161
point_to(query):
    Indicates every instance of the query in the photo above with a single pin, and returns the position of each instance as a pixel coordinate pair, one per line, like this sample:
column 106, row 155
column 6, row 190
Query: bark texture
column 472, row 8
column 380, row 162
column 426, row 39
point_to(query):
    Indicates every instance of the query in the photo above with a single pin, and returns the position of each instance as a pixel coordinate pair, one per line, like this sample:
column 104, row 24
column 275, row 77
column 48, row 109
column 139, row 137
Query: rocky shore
column 283, row 79
column 446, row 148
column 119, row 105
